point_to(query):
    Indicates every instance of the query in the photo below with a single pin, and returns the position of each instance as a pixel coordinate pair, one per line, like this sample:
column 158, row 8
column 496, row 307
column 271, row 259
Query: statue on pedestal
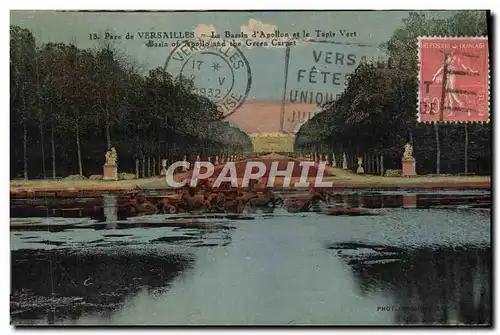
column 360, row 168
column 408, row 161
column 334, row 162
column 110, row 169
column 184, row 159
column 163, row 167
column 344, row 162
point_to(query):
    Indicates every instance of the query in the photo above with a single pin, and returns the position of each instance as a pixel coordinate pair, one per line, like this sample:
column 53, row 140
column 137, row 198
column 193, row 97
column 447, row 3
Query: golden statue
column 408, row 154
column 111, row 157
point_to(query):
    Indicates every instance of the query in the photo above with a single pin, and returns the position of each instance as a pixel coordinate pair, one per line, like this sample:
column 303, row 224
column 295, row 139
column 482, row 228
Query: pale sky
column 371, row 28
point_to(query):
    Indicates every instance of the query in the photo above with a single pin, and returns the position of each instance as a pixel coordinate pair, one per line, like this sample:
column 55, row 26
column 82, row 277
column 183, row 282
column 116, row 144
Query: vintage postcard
column 250, row 168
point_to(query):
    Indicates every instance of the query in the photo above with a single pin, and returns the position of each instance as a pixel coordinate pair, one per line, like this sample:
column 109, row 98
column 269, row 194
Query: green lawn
column 341, row 178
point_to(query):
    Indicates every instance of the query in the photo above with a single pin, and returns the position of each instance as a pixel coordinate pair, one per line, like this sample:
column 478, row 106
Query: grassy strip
column 159, row 183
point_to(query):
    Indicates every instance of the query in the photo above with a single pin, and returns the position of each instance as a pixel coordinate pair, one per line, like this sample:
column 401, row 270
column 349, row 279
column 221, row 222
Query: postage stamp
column 218, row 68
column 453, row 79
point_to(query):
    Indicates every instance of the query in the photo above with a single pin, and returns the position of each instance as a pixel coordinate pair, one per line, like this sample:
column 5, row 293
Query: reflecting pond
column 421, row 258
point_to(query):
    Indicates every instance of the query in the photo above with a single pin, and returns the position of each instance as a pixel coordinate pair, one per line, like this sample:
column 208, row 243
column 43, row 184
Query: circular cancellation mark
column 219, row 70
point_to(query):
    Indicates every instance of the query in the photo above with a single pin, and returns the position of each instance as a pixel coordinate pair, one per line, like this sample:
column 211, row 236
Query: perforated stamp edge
column 435, row 37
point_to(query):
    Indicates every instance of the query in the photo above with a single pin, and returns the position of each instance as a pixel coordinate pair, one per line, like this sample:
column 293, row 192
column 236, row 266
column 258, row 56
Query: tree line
column 68, row 106
column 377, row 113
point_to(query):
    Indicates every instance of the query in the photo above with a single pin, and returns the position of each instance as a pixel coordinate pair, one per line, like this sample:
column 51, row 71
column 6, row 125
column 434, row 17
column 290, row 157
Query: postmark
column 453, row 79
column 218, row 68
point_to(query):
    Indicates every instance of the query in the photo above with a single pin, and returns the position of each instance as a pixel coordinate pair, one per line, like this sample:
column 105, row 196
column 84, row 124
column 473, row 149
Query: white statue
column 163, row 167
column 111, row 157
column 184, row 159
column 408, row 154
column 360, row 168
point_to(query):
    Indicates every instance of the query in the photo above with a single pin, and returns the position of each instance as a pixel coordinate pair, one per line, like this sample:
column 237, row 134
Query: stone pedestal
column 110, row 172
column 408, row 167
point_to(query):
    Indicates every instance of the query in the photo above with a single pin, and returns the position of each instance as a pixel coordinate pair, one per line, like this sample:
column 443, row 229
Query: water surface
column 423, row 259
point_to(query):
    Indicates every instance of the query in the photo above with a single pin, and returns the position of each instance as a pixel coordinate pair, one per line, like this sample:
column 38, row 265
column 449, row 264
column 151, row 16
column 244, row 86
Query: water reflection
column 270, row 267
column 100, row 208
column 443, row 286
column 68, row 284
column 275, row 272
column 110, row 210
column 409, row 200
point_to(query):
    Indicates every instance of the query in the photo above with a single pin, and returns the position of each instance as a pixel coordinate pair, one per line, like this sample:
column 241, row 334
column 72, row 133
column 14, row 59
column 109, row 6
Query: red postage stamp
column 453, row 79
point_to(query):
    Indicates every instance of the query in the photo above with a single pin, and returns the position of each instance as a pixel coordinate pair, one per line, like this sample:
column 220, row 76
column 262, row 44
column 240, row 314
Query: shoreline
column 89, row 188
